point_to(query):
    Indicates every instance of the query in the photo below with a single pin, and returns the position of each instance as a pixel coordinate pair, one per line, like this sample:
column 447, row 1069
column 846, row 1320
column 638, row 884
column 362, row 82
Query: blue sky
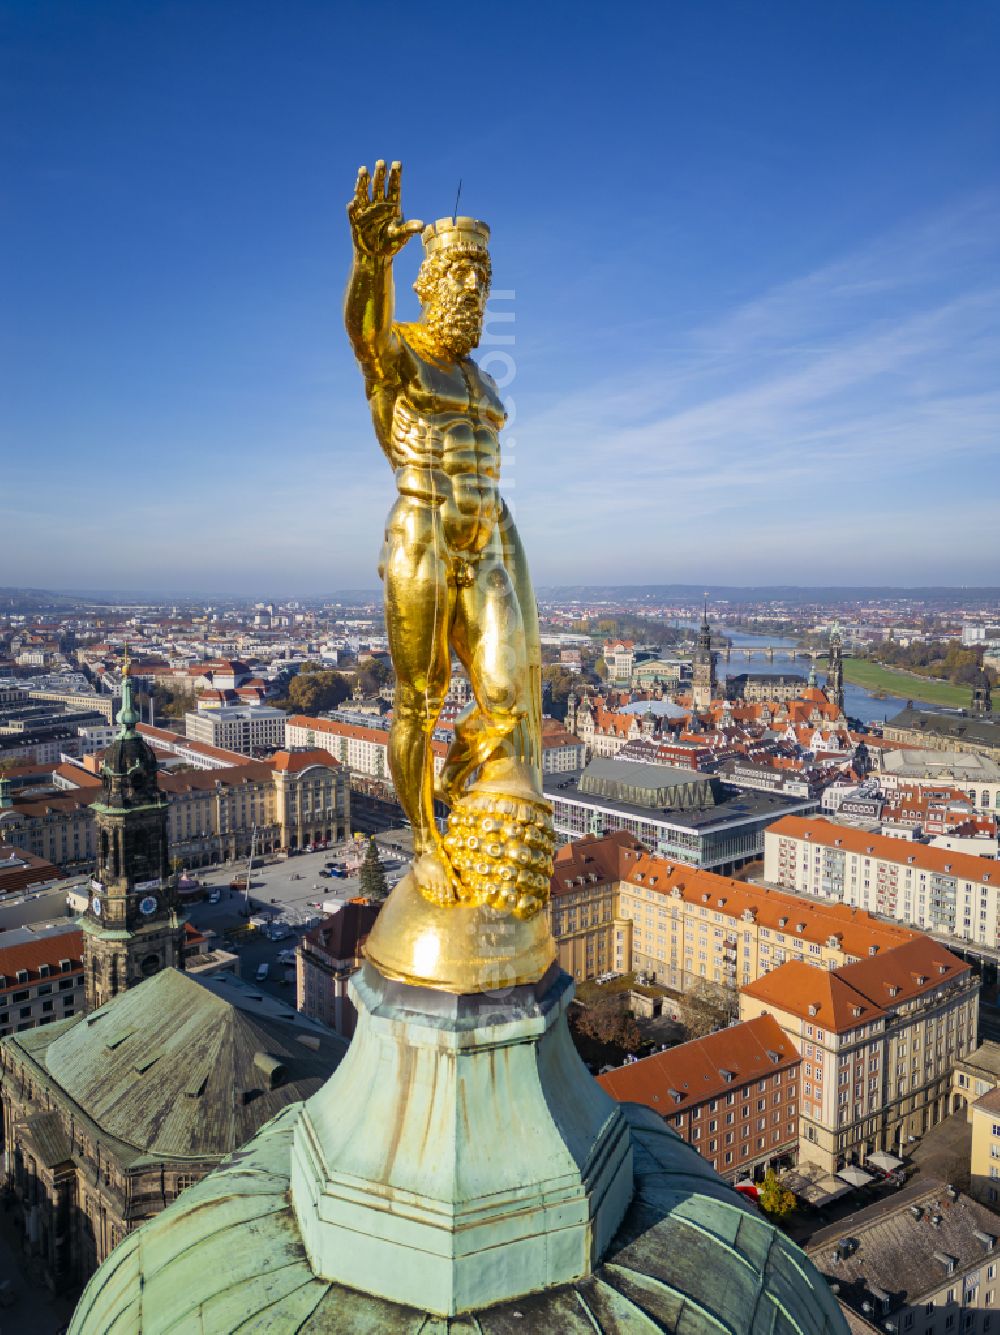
column 752, row 250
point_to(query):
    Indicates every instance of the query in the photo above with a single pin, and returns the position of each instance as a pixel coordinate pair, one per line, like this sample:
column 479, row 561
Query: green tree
column 560, row 682
column 374, row 886
column 775, row 1198
column 373, row 674
column 317, row 692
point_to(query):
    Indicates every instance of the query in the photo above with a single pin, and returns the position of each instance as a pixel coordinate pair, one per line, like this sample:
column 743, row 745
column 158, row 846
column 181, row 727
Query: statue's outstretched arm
column 379, row 233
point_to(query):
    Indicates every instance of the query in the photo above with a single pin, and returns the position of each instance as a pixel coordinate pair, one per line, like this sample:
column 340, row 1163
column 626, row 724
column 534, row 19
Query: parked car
column 215, row 896
column 262, row 972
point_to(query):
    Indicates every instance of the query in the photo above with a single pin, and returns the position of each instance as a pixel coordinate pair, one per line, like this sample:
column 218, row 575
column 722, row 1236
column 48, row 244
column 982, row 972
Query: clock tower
column 704, row 685
column 132, row 926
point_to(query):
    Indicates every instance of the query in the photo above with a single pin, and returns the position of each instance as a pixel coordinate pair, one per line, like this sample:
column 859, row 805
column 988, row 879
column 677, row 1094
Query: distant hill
column 780, row 593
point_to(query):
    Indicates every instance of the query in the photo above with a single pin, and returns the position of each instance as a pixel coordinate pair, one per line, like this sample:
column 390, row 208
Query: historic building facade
column 104, row 1125
column 733, row 1095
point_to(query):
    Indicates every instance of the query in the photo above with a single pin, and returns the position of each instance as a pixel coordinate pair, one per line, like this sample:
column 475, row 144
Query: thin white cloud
column 821, row 399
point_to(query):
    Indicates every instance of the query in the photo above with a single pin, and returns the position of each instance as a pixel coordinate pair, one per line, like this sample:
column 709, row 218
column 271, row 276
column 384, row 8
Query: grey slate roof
column 899, row 1254
column 962, row 727
column 48, row 1138
column 172, row 1071
column 985, row 1058
column 691, row 1257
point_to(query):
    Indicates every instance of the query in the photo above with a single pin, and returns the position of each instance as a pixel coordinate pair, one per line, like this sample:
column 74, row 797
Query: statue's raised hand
column 376, row 215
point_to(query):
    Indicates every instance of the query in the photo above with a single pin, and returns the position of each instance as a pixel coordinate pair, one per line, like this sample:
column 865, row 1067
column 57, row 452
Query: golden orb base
column 459, row 947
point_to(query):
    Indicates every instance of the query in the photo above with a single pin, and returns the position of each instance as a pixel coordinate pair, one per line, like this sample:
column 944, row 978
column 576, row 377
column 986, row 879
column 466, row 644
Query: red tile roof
column 795, row 915
column 46, row 950
column 812, row 993
column 926, row 858
column 705, row 1068
column 857, row 993
column 295, row 761
column 20, row 870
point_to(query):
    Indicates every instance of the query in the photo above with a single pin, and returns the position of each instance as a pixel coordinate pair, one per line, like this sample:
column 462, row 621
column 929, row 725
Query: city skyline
column 758, row 267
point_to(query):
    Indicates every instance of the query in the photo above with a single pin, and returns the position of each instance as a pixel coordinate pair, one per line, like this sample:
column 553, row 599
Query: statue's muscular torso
column 439, row 425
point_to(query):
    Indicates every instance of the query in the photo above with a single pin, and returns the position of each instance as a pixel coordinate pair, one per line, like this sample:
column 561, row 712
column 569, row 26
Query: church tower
column 982, row 704
column 703, row 668
column 131, row 926
column 835, row 672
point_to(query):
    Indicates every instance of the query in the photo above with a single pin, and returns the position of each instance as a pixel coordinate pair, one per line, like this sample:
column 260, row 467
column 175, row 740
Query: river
column 859, row 703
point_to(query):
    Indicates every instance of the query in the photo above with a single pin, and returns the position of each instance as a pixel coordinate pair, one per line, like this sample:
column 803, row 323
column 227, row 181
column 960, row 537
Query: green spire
column 812, row 673
column 6, row 801
column 127, row 715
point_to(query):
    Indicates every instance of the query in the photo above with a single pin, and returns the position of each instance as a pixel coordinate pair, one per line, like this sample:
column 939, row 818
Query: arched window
column 150, row 965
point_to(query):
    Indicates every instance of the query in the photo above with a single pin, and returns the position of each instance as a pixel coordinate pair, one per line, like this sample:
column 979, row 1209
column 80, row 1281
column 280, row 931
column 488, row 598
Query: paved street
column 292, row 891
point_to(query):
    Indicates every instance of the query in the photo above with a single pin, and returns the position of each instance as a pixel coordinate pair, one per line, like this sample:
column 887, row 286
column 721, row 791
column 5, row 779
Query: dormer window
column 873, row 950
column 855, row 1010
column 22, row 975
column 813, row 1008
column 44, row 970
column 66, row 965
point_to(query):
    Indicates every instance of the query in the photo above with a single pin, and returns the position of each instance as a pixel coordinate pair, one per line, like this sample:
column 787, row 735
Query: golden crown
column 469, row 233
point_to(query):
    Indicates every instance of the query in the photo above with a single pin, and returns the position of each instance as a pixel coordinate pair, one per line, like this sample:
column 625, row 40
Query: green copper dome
column 691, row 1256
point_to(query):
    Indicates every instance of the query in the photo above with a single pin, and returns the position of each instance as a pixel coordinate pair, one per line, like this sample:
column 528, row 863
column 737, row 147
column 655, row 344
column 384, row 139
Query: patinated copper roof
column 690, row 1257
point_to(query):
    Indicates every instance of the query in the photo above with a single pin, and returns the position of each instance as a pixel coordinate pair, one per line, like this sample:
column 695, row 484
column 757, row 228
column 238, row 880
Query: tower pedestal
column 462, row 1154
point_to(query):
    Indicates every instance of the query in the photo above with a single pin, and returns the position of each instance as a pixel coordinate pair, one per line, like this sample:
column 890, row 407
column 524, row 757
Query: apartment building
column 248, row 729
column 364, row 749
column 924, row 1264
column 879, row 1040
column 562, row 752
column 619, row 658
column 733, row 1095
column 325, row 959
column 614, row 907
column 41, row 977
column 950, row 893
column 984, row 1164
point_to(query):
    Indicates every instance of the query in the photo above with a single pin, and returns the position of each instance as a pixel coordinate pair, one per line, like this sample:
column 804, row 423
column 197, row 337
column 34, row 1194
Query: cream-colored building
column 364, row 750
column 935, row 889
column 974, row 1076
column 293, row 799
column 879, row 1041
column 984, row 1115
column 613, row 907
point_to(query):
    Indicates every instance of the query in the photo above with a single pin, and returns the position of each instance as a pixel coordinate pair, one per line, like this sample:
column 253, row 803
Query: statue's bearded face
column 454, row 300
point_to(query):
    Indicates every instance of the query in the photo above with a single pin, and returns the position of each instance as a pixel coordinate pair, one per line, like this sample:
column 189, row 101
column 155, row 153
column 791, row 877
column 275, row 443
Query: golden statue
column 455, row 575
